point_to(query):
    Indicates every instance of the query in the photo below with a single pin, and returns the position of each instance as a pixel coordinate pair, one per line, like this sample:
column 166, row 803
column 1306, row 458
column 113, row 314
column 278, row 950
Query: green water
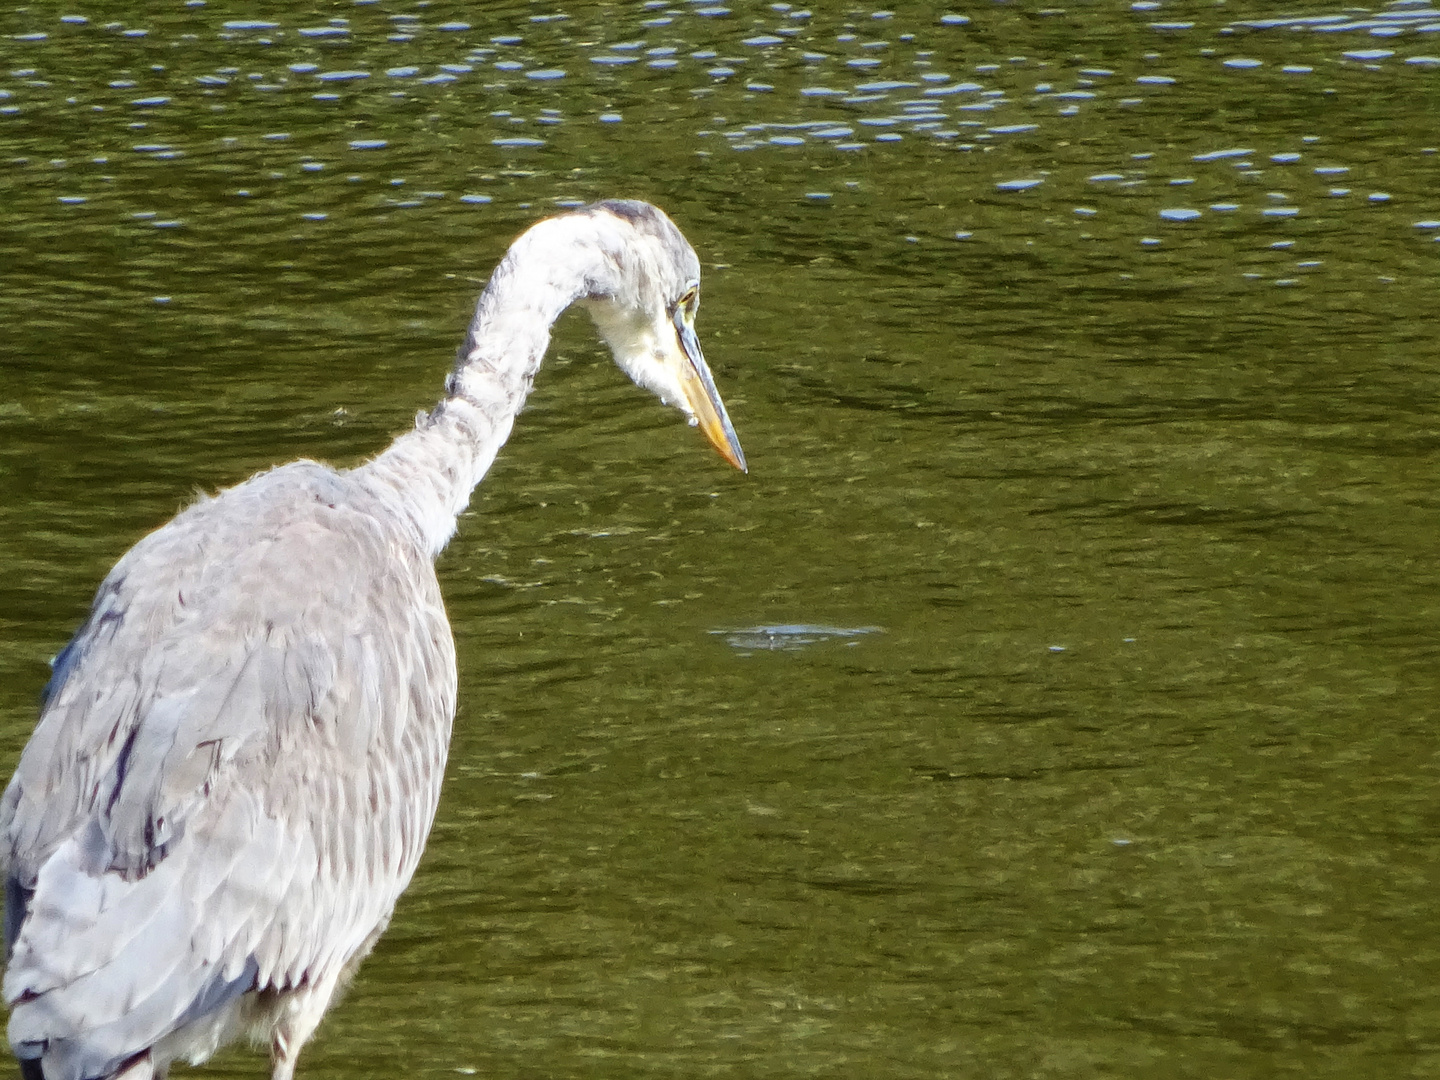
column 1130, row 475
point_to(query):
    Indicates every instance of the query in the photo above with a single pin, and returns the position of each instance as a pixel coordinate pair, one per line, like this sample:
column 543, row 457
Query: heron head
column 643, row 300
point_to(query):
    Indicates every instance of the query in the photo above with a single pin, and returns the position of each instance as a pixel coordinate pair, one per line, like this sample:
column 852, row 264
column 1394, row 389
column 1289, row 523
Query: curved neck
column 428, row 474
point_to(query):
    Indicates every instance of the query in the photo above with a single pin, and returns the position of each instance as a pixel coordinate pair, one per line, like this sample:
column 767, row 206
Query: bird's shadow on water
column 792, row 637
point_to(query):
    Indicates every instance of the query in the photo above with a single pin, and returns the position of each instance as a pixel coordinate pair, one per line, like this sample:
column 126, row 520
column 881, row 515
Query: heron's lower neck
column 426, row 475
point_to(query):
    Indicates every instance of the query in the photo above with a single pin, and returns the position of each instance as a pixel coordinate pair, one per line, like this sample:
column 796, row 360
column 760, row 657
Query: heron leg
column 299, row 1016
column 300, row 1011
column 140, row 1067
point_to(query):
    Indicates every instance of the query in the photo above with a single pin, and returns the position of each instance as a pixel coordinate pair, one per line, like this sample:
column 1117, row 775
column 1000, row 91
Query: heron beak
column 702, row 397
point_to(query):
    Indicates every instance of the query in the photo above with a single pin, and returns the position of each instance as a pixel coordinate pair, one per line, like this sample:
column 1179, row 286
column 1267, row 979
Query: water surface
column 1084, row 359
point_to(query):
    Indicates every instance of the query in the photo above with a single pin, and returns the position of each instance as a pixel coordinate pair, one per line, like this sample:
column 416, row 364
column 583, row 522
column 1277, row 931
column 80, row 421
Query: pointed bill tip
column 704, row 400
column 711, row 416
column 729, row 447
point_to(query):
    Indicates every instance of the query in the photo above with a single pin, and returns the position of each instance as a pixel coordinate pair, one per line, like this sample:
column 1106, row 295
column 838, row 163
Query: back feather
column 234, row 772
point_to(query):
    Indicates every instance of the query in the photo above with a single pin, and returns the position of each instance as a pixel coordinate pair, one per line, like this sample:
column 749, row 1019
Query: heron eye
column 690, row 302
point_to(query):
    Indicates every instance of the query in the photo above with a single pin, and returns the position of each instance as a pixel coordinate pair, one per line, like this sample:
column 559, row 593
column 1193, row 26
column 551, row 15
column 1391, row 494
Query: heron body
column 240, row 752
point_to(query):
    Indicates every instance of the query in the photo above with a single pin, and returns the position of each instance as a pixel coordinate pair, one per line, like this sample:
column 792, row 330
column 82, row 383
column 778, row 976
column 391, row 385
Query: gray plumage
column 240, row 752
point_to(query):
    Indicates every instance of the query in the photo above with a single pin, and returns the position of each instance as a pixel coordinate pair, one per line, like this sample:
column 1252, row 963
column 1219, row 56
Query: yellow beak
column 702, row 397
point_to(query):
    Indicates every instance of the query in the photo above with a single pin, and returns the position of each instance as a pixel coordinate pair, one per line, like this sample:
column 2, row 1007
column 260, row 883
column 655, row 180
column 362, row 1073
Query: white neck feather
column 429, row 473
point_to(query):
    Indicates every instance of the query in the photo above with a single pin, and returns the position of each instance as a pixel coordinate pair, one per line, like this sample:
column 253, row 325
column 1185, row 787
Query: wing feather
column 235, row 770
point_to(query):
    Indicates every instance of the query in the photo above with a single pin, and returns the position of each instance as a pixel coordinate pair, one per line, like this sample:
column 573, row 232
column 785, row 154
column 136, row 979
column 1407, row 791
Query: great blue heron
column 239, row 753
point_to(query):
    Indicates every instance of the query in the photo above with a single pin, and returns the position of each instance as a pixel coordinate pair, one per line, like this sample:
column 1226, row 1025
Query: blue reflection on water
column 791, row 637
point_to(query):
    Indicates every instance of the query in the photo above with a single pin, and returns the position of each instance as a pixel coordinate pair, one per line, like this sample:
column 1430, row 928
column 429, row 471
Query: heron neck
column 429, row 473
